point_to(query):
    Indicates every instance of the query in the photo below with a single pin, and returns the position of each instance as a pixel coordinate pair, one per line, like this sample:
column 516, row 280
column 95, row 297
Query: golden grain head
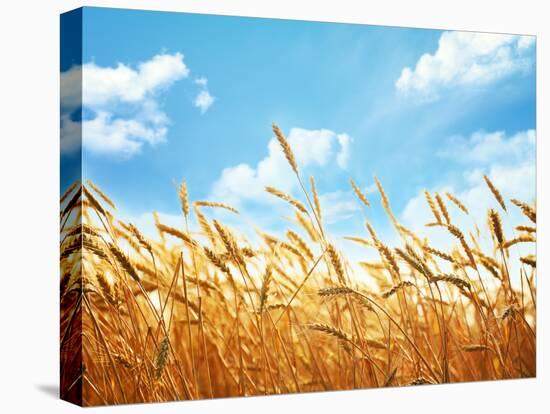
column 496, row 226
column 359, row 193
column 184, row 198
column 495, row 192
column 529, row 211
column 316, row 200
column 214, row 204
column 286, row 197
column 287, row 150
column 433, row 207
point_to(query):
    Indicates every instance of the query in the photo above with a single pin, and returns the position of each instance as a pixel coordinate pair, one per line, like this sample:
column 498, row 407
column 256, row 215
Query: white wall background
column 29, row 173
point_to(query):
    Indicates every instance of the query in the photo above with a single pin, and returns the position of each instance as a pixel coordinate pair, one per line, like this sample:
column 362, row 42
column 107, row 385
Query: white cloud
column 466, row 58
column 204, row 100
column 201, row 81
column 70, row 100
column 71, row 134
column 120, row 104
column 311, row 148
column 345, row 145
column 237, row 183
column 483, row 147
column 103, row 134
column 122, row 83
column 71, row 88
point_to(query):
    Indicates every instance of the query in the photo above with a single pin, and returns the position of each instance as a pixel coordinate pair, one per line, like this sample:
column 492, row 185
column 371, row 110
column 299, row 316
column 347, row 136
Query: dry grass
column 202, row 312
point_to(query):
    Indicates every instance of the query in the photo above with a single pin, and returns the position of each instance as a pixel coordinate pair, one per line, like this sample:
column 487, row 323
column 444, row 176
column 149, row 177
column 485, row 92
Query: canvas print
column 263, row 206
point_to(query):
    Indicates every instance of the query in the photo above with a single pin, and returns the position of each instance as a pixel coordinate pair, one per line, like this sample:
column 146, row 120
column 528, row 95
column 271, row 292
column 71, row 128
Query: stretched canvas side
column 71, row 235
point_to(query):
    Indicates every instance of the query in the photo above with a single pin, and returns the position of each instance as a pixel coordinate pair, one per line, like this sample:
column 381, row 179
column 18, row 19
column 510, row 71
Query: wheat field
column 201, row 312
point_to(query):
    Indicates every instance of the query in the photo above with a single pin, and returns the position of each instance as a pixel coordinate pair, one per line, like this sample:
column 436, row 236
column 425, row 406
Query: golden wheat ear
column 287, row 150
column 359, row 193
column 495, row 192
column 286, row 197
column 184, row 199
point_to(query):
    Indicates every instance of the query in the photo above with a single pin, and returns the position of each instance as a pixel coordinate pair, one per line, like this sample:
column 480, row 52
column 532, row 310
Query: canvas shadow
column 52, row 390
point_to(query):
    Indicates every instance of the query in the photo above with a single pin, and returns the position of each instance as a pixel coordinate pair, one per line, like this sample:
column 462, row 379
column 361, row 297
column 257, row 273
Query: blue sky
column 420, row 109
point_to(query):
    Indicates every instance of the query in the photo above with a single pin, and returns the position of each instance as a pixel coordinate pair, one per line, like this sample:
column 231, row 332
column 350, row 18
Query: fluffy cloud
column 120, row 105
column 204, row 100
column 483, row 147
column 466, row 58
column 71, row 89
column 122, row 83
column 311, row 148
column 103, row 134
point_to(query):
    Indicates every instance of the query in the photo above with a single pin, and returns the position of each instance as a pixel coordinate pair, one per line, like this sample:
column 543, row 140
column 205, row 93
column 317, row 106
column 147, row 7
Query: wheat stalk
column 302, row 245
column 101, row 194
column 359, row 193
column 496, row 226
column 521, row 239
column 526, row 209
column 443, row 208
column 316, row 201
column 124, row 262
column 457, row 202
column 287, row 150
column 336, row 262
column 529, row 260
column 162, row 357
column 213, row 204
column 432, row 206
column 396, row 288
column 184, row 199
column 286, row 197
column 264, row 290
column 527, row 229
column 475, row 348
column 172, row 231
column 495, row 192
